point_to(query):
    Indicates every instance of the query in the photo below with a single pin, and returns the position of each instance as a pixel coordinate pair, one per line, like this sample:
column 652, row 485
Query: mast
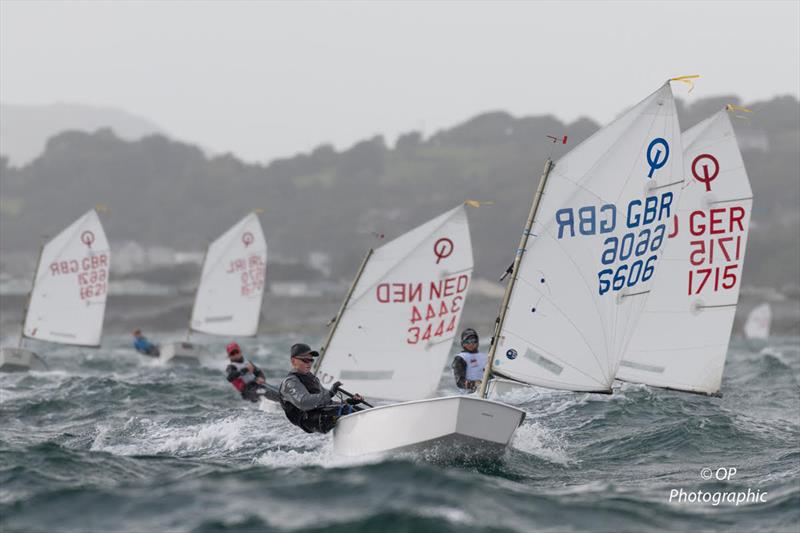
column 342, row 308
column 30, row 295
column 523, row 242
column 194, row 301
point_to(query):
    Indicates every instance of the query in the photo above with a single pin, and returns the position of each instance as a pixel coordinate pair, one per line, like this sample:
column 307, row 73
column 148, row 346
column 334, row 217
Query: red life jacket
column 239, row 383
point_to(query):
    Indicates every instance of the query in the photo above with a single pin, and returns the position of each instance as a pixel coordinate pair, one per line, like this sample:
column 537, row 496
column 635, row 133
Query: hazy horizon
column 272, row 79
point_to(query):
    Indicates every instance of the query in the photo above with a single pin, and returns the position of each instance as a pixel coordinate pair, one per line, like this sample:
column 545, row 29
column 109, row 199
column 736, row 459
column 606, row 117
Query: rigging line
column 717, row 306
column 667, row 185
column 555, row 357
column 634, row 294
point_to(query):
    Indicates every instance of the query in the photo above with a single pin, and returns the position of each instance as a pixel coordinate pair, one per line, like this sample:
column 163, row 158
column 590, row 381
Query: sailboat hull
column 182, row 352
column 470, row 426
column 18, row 360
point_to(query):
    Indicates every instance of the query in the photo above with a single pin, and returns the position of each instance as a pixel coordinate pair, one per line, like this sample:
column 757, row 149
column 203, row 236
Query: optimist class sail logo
column 87, row 238
column 707, row 176
column 654, row 153
column 247, row 239
column 442, row 249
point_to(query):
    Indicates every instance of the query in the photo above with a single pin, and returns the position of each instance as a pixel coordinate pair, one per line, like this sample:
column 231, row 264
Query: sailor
column 468, row 365
column 247, row 378
column 306, row 403
column 143, row 345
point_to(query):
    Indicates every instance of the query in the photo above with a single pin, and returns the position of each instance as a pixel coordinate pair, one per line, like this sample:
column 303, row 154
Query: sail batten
column 231, row 288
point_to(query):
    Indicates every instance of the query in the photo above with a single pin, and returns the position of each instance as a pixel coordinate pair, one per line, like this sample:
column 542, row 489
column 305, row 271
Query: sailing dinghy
column 682, row 339
column 588, row 254
column 228, row 297
column 67, row 301
column 758, row 323
column 391, row 339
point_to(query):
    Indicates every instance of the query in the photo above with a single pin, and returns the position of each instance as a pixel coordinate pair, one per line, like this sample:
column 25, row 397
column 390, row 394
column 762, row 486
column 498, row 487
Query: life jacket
column 476, row 362
column 239, row 382
column 297, row 416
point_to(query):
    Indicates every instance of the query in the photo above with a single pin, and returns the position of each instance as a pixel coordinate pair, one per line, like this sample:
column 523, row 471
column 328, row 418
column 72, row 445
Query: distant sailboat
column 588, row 255
column 758, row 323
column 67, row 302
column 682, row 339
column 231, row 288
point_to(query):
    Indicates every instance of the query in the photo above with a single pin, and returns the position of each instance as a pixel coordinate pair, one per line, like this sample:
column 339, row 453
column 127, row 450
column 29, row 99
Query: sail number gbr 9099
column 628, row 258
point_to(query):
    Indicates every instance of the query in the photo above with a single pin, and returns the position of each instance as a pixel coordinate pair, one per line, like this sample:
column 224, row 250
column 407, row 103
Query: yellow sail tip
column 688, row 80
column 101, row 208
column 477, row 203
column 734, row 107
column 258, row 210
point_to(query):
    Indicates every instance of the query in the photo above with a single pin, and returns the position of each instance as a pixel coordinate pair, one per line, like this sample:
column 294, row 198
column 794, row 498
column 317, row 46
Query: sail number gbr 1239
column 630, row 258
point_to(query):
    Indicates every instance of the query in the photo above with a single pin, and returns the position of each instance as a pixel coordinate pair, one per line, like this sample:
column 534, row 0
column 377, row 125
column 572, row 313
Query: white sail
column 228, row 300
column 68, row 300
column 396, row 331
column 592, row 252
column 682, row 338
column 758, row 323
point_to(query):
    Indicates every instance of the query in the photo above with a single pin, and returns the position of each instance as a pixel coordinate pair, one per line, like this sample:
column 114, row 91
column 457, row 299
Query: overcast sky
column 270, row 79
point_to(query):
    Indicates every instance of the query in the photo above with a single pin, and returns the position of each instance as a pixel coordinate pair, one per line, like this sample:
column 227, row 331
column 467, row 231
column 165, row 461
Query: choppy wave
column 107, row 440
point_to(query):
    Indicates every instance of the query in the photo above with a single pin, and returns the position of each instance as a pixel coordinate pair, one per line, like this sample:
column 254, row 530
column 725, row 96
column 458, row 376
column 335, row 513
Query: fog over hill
column 24, row 129
column 165, row 192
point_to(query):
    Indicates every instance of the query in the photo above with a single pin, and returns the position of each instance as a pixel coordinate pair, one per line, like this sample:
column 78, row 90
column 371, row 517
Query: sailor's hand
column 260, row 381
column 335, row 388
column 355, row 400
column 250, row 367
column 472, row 385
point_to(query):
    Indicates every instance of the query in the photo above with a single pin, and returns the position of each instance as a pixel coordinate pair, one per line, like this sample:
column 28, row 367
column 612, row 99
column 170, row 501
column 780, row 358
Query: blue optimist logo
column 657, row 154
column 511, row 354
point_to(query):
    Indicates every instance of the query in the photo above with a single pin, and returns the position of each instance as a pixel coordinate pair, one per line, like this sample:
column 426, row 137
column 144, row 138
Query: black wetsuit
column 308, row 405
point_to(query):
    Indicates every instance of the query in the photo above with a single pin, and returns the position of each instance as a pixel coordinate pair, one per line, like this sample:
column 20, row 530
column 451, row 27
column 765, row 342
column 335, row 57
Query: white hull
column 182, row 352
column 19, row 360
column 470, row 425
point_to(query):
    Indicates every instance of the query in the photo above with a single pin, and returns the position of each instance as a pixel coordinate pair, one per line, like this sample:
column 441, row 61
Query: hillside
column 161, row 191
